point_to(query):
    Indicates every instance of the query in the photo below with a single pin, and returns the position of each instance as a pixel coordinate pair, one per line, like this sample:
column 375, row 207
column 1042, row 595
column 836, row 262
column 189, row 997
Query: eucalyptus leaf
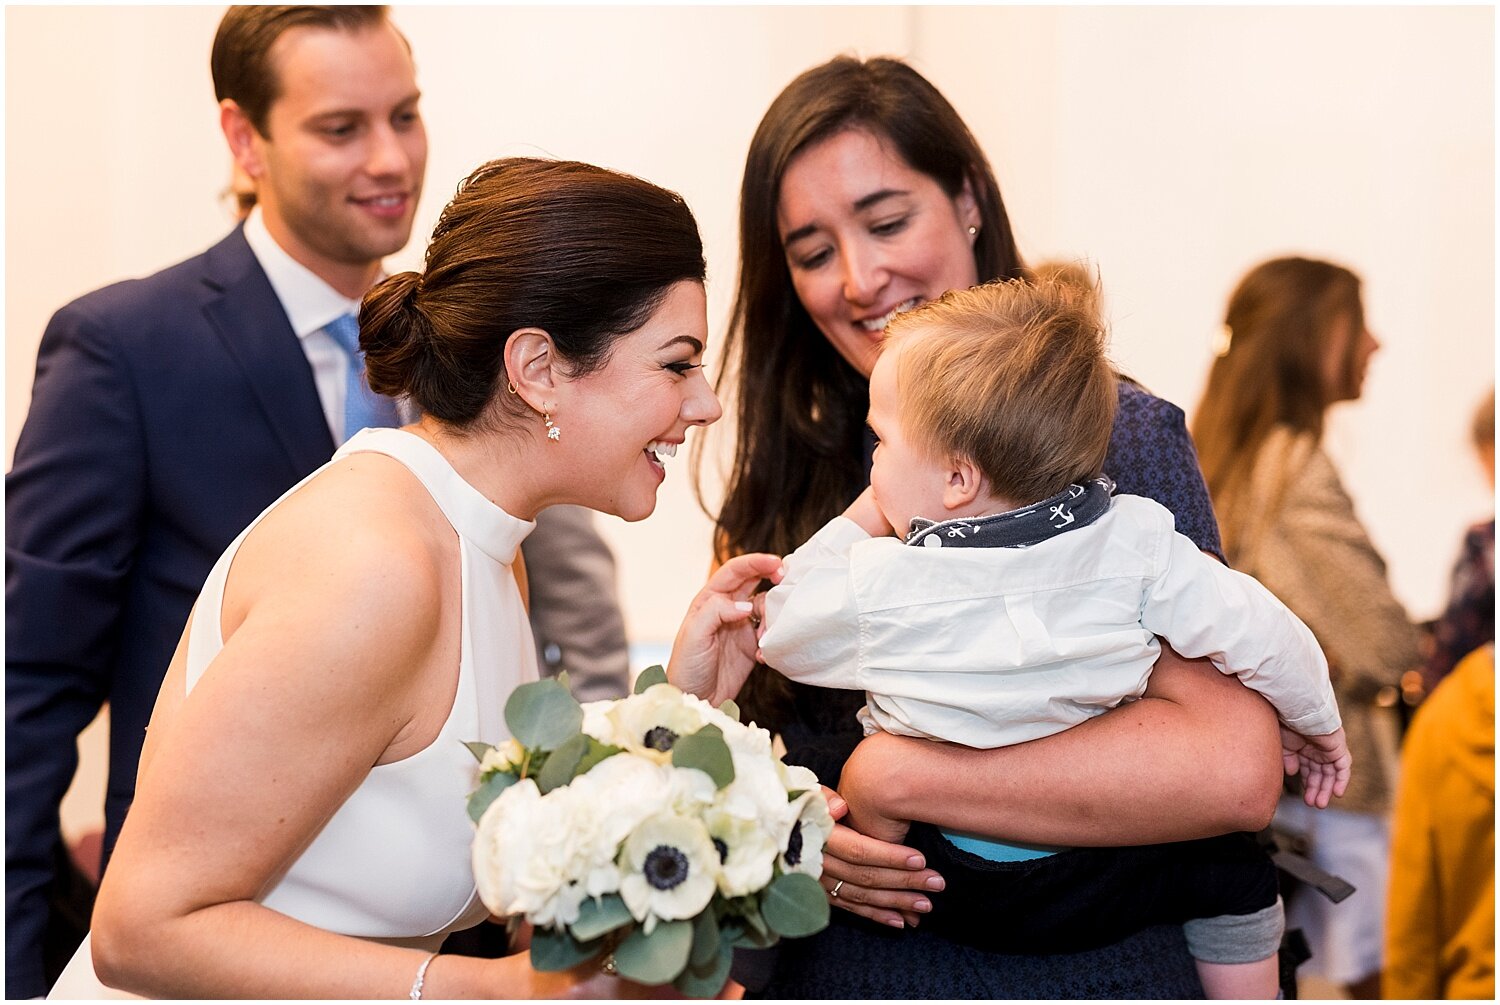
column 488, row 792
column 730, row 709
column 478, row 748
column 707, row 981
column 755, row 923
column 705, row 940
column 543, row 715
column 554, row 950
column 794, row 905
column 596, row 753
column 746, row 932
column 562, row 764
column 706, row 751
column 650, row 677
column 656, row 958
column 600, row 917
column 735, row 929
column 749, row 939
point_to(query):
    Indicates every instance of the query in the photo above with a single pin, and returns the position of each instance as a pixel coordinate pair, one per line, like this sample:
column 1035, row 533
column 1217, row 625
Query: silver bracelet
column 416, row 985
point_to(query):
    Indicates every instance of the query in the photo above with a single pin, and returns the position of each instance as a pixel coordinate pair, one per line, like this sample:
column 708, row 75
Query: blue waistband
column 999, row 851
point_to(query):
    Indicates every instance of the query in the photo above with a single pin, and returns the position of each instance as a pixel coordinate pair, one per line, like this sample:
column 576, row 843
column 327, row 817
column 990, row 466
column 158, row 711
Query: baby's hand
column 865, row 512
column 1322, row 761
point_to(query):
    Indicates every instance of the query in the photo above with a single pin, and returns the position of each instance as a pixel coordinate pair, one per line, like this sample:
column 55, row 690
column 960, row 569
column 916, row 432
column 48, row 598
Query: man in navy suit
column 167, row 412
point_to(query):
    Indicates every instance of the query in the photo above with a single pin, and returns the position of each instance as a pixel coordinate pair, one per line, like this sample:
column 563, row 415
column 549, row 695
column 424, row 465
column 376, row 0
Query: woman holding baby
column 865, row 195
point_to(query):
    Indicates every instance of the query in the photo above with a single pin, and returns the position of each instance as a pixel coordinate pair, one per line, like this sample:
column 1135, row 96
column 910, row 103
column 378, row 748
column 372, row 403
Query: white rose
column 511, row 869
column 670, row 869
column 540, row 856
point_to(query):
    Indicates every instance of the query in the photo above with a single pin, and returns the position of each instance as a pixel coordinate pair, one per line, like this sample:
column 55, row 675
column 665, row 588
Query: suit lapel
column 243, row 310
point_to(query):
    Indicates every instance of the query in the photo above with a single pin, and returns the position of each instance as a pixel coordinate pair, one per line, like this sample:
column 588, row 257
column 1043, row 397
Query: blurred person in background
column 1468, row 620
column 1295, row 345
column 1440, row 922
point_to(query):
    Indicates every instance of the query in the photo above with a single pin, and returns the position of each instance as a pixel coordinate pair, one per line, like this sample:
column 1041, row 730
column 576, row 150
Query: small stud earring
column 554, row 432
column 973, row 231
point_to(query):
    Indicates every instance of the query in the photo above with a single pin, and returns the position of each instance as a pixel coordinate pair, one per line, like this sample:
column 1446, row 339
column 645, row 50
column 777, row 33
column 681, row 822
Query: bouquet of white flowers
column 656, row 828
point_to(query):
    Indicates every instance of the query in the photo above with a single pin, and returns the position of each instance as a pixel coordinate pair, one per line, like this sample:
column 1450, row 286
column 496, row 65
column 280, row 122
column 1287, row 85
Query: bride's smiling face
column 631, row 416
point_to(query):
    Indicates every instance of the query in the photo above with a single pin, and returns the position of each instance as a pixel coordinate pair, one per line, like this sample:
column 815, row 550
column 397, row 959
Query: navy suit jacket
column 166, row 414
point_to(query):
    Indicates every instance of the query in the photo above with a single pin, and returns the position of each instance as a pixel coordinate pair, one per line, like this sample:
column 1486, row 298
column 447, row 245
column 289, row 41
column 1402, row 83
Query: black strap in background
column 1335, row 888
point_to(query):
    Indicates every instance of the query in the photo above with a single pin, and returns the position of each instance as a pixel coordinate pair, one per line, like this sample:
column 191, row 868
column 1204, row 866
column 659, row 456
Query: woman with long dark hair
column 864, row 195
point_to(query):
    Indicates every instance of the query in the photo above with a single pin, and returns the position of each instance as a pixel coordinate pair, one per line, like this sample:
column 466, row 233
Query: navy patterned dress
column 1152, row 455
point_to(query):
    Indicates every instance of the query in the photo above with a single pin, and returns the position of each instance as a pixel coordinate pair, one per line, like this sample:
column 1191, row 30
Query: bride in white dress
column 298, row 829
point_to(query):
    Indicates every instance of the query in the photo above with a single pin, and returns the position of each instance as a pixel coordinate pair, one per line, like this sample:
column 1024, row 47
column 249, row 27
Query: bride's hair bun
column 580, row 252
column 392, row 334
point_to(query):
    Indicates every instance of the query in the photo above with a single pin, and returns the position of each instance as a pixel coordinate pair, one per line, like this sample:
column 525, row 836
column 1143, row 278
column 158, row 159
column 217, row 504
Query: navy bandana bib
column 1074, row 507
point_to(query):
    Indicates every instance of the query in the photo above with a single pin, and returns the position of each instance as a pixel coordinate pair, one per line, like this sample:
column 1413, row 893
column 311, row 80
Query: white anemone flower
column 747, row 852
column 807, row 830
column 598, row 724
column 649, row 723
column 736, row 733
column 670, row 869
column 796, row 778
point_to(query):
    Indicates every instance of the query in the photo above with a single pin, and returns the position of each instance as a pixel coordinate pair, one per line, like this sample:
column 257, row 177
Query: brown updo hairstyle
column 581, row 252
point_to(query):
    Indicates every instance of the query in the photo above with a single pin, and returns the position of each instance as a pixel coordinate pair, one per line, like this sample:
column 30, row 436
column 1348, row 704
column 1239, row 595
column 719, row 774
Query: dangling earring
column 554, row 432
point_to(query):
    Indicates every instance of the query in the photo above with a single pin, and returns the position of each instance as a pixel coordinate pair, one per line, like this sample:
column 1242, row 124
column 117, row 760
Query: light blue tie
column 362, row 407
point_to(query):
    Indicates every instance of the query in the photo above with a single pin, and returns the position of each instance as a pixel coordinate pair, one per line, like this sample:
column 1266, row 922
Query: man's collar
column 309, row 302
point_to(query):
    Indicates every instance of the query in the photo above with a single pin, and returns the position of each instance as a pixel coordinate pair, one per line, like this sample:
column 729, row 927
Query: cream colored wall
column 1174, row 147
column 1177, row 147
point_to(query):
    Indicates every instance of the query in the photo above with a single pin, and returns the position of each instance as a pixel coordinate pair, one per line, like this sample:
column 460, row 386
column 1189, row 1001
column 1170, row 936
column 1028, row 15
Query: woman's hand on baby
column 880, row 880
column 717, row 643
column 1323, row 763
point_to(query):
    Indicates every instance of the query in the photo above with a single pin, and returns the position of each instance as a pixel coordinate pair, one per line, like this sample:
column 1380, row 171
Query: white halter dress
column 392, row 863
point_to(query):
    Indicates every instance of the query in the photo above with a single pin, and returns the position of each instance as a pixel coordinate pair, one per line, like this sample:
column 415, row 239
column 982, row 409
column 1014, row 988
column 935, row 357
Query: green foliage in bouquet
column 551, row 748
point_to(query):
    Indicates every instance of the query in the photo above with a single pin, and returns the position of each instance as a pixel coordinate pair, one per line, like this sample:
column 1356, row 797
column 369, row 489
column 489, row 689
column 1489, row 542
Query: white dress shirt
column 993, row 646
column 310, row 304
